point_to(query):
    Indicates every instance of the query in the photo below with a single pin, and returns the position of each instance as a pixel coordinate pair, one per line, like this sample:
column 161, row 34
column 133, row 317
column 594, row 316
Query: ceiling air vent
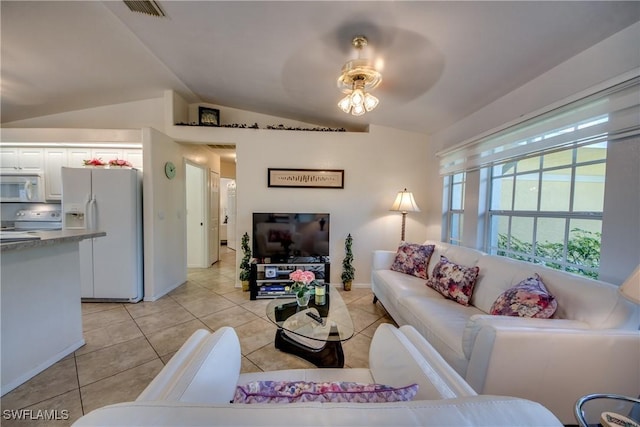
column 148, row 7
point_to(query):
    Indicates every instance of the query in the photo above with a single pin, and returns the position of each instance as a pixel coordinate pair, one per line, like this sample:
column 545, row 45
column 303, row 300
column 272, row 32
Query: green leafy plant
column 245, row 264
column 348, row 272
column 583, row 249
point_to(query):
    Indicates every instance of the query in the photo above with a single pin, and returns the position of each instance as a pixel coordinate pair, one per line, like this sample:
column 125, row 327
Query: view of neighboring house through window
column 454, row 212
column 547, row 208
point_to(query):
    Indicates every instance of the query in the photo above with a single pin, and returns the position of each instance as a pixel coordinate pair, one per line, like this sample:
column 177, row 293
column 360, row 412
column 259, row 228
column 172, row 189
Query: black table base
column 330, row 355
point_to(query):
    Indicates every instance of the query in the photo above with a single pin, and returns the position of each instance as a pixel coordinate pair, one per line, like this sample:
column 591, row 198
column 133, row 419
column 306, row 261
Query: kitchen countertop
column 51, row 238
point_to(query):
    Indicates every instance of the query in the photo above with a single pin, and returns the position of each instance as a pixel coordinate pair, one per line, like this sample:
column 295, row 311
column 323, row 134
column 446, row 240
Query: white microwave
column 21, row 188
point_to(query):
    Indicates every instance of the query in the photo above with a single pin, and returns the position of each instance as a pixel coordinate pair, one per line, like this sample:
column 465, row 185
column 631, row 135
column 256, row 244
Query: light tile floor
column 128, row 344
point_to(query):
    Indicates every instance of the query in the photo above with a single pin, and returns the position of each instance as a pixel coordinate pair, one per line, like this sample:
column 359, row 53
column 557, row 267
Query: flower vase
column 303, row 300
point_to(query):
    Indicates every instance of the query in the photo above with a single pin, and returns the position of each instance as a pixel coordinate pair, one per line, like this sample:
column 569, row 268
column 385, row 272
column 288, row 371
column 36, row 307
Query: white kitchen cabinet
column 54, row 160
column 21, row 160
column 49, row 161
column 77, row 156
column 9, row 159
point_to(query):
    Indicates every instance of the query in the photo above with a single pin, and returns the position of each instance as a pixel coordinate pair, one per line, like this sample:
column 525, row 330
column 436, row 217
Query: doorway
column 196, row 216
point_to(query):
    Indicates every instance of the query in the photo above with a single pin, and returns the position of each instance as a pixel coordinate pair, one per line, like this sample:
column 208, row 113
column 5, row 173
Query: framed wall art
column 208, row 116
column 305, row 178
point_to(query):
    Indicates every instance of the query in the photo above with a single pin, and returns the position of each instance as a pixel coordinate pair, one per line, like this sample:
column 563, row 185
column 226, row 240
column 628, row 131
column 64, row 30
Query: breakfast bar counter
column 40, row 302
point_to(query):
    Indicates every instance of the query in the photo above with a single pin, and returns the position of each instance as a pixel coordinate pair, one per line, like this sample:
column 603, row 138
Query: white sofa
column 195, row 387
column 591, row 345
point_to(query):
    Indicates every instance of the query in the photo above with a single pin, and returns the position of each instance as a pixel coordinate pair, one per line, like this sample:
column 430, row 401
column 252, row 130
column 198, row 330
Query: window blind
column 608, row 115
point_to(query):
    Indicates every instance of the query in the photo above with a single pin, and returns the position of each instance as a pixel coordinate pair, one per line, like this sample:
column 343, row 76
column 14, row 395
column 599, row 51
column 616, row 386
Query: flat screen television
column 291, row 237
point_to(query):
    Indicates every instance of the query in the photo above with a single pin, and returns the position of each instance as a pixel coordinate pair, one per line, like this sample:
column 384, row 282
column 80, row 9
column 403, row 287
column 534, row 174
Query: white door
column 195, row 217
column 214, row 217
column 231, row 223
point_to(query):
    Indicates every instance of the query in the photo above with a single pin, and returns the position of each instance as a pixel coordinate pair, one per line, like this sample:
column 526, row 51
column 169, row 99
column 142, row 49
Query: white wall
column 621, row 217
column 165, row 250
column 138, row 114
column 164, row 202
column 376, row 166
column 613, row 57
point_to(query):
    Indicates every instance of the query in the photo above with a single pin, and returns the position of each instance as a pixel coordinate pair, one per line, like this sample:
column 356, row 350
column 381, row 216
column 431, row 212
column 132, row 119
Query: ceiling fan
column 400, row 64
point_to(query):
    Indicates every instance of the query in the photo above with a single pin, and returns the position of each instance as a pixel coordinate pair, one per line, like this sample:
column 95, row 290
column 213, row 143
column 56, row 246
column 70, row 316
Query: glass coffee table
column 607, row 410
column 315, row 332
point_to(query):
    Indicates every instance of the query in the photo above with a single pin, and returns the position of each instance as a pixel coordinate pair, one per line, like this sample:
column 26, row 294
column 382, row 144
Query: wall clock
column 170, row 170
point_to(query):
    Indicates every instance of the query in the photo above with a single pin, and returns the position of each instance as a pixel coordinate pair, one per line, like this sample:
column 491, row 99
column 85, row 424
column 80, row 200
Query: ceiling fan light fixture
column 370, row 102
column 358, row 77
column 345, row 104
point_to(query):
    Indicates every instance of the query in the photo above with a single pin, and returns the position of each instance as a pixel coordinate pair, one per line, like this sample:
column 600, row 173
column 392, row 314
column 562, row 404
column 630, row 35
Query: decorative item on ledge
column 208, row 116
column 119, row 163
column 94, row 163
column 270, row 127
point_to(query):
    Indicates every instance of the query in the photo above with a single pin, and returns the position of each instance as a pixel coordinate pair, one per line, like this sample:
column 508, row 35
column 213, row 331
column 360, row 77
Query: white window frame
column 618, row 100
column 450, row 182
column 491, row 245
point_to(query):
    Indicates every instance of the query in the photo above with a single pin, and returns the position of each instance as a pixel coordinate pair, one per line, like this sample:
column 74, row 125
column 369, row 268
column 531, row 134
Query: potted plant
column 303, row 283
column 348, row 272
column 245, row 264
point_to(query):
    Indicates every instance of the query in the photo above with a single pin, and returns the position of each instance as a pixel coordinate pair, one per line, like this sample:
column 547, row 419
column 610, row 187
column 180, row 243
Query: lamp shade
column 405, row 202
column 630, row 289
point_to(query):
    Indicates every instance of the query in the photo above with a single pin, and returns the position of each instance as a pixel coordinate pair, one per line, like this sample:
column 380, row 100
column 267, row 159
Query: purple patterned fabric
column 528, row 298
column 302, row 391
column 412, row 258
column 454, row 281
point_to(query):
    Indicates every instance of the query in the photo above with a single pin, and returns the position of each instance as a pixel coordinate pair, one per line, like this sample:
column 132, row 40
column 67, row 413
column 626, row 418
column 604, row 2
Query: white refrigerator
column 108, row 200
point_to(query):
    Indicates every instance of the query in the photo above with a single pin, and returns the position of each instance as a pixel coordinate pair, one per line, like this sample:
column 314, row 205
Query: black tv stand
column 271, row 280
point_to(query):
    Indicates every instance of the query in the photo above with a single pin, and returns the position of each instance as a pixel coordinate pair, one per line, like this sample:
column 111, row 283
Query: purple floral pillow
column 303, row 391
column 412, row 258
column 528, row 298
column 454, row 281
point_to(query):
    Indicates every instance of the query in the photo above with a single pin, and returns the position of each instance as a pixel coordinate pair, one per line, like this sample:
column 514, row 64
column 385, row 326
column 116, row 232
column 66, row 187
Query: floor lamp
column 404, row 203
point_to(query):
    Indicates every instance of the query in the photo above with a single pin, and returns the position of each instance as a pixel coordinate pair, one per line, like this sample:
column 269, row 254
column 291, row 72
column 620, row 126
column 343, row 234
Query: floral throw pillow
column 528, row 298
column 412, row 258
column 303, row 391
column 454, row 281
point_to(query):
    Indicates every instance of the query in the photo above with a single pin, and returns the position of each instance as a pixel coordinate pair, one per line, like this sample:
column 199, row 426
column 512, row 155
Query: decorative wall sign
column 306, row 178
column 208, row 116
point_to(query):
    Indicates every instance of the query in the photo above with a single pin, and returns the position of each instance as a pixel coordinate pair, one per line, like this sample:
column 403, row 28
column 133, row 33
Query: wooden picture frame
column 305, row 178
column 208, row 116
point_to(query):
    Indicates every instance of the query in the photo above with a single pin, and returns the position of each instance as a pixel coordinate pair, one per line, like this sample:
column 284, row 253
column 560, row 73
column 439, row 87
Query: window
column 547, row 208
column 535, row 188
column 454, row 211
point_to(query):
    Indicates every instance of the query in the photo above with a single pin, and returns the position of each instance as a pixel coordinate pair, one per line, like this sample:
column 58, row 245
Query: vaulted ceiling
column 442, row 60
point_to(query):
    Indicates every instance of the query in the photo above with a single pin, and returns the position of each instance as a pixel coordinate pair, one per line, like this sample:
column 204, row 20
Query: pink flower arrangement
column 119, row 162
column 304, row 277
column 93, row 162
column 301, row 281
